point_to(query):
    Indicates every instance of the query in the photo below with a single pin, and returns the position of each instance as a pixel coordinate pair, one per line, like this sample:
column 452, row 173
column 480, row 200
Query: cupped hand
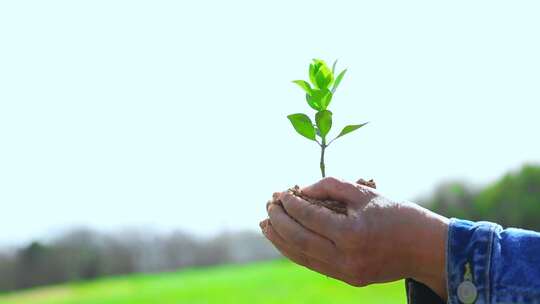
column 379, row 240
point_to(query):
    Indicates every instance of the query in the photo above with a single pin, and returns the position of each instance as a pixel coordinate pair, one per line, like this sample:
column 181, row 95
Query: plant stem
column 323, row 147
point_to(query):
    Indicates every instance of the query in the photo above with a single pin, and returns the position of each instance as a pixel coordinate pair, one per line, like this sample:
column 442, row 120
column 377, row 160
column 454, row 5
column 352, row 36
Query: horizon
column 160, row 231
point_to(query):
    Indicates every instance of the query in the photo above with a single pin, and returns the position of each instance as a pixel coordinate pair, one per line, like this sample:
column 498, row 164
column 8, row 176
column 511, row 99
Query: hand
column 379, row 240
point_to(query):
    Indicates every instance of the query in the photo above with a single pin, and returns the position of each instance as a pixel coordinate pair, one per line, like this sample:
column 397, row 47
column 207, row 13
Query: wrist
column 429, row 251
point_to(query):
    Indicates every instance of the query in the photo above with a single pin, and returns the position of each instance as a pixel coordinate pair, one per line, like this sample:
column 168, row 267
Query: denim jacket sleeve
column 486, row 264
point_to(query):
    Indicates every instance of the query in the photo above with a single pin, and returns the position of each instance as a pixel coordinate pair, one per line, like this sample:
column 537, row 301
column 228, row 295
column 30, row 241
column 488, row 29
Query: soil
column 337, row 207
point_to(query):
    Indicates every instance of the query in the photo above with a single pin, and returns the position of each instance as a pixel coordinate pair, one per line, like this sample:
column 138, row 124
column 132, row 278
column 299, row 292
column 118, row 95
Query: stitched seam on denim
column 488, row 263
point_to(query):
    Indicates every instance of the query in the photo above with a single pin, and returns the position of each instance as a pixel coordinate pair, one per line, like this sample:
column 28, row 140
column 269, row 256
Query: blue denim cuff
column 468, row 261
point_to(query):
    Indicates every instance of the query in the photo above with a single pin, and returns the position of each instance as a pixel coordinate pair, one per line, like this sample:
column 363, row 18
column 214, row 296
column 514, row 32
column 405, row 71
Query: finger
column 263, row 223
column 300, row 238
column 316, row 218
column 335, row 189
column 274, row 200
column 304, row 260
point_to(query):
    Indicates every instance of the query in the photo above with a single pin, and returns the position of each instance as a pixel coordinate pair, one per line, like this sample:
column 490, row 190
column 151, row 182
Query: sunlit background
column 170, row 116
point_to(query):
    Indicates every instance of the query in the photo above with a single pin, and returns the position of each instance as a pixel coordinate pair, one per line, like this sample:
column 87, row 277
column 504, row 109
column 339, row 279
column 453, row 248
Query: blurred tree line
column 85, row 254
column 514, row 200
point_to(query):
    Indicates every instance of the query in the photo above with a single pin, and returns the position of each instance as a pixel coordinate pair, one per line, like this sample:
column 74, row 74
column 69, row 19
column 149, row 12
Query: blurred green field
column 270, row 282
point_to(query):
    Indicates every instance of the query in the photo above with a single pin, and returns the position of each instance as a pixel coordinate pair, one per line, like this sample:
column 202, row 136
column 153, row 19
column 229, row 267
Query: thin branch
column 322, row 165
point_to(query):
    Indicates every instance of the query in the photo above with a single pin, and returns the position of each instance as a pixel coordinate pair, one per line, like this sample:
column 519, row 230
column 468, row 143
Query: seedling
column 319, row 93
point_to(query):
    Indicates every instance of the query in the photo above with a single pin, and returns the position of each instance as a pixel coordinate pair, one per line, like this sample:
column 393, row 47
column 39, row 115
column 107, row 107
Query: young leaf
column 320, row 74
column 314, row 101
column 334, row 68
column 325, row 99
column 303, row 125
column 324, row 77
column 348, row 129
column 319, row 99
column 313, row 68
column 338, row 80
column 324, row 122
column 304, row 85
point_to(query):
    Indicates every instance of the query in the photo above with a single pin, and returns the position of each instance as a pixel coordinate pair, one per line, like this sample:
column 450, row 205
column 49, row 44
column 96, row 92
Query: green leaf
column 324, row 77
column 338, row 80
column 324, row 122
column 348, row 129
column 318, row 62
column 314, row 102
column 319, row 99
column 313, row 68
column 304, row 85
column 326, row 98
column 334, row 68
column 303, row 125
column 320, row 74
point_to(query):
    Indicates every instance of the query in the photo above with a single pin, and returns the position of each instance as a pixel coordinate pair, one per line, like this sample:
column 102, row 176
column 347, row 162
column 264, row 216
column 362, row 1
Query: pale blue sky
column 171, row 114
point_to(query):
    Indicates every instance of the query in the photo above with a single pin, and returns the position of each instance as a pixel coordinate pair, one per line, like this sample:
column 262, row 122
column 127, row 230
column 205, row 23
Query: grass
column 271, row 282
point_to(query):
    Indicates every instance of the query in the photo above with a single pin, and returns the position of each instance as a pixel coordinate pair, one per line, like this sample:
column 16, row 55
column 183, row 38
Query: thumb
column 331, row 188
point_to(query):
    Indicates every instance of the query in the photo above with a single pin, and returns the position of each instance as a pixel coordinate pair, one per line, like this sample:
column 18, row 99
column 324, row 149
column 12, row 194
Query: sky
column 172, row 114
